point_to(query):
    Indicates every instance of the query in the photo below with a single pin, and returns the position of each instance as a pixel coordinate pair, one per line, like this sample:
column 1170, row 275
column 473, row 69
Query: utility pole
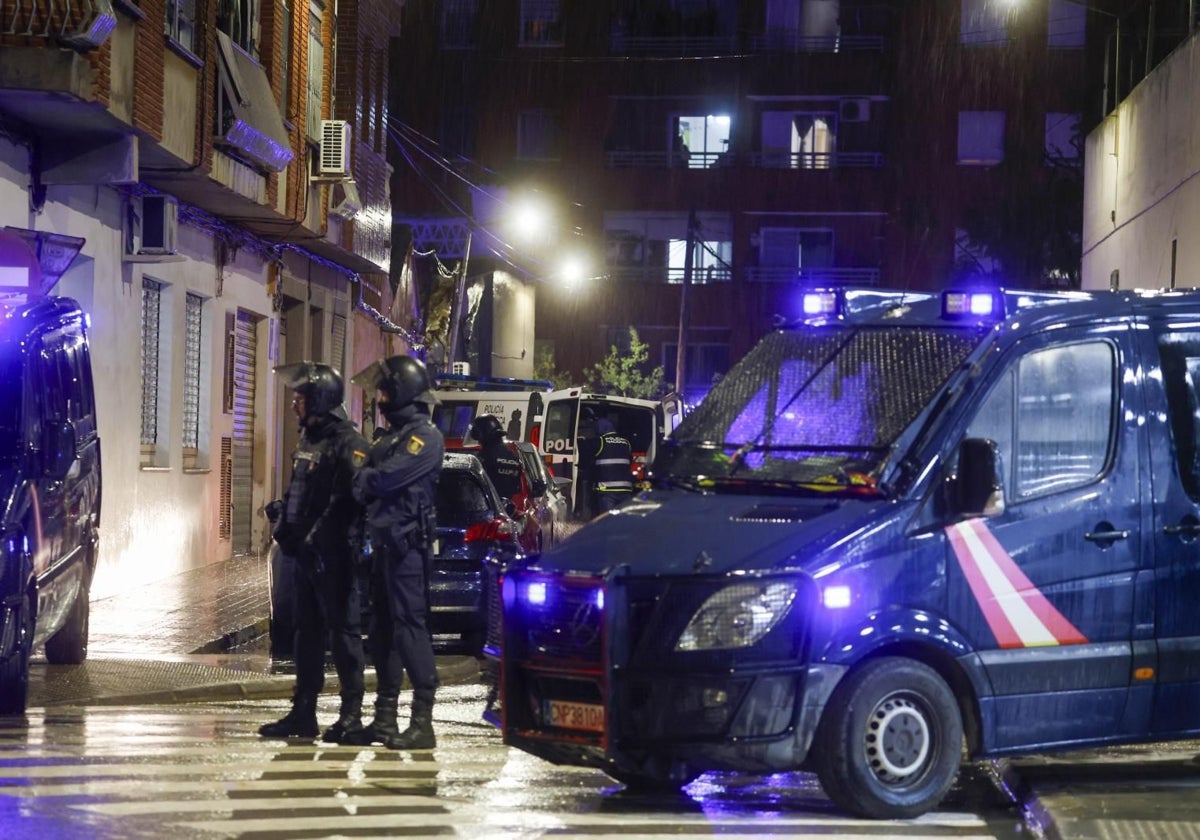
column 457, row 305
column 681, row 347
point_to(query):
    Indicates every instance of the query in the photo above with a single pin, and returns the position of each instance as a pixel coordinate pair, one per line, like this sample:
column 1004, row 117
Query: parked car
column 49, row 489
column 549, row 496
column 475, row 531
column 525, row 507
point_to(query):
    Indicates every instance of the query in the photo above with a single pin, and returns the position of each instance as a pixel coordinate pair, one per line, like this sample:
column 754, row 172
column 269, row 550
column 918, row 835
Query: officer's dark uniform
column 608, row 460
column 498, row 460
column 397, row 486
column 313, row 525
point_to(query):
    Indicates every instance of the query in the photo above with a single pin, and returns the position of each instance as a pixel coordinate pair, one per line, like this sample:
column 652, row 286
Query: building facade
column 1141, row 199
column 209, row 180
column 712, row 158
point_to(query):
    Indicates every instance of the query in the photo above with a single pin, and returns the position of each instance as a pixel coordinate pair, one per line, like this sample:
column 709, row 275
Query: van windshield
column 10, row 404
column 817, row 408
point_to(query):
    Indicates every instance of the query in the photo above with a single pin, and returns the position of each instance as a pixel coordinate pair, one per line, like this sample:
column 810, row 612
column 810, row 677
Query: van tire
column 890, row 742
column 69, row 645
column 14, row 669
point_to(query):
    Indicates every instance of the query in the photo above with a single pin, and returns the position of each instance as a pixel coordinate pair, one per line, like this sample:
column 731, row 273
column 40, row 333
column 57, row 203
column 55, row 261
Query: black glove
column 273, row 510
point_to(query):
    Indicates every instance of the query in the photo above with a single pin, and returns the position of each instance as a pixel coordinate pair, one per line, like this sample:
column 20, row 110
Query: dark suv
column 49, row 489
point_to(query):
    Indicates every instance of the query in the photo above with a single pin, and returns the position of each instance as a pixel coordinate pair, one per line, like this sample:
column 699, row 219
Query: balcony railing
column 812, row 277
column 622, row 44
column 792, row 41
column 645, row 159
column 84, row 24
column 824, row 276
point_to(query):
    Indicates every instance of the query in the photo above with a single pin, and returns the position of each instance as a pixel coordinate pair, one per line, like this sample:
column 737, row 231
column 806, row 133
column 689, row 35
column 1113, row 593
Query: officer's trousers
column 399, row 635
column 327, row 613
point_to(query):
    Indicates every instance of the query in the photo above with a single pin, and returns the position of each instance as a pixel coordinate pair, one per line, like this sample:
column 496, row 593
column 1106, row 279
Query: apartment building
column 713, row 157
column 210, row 181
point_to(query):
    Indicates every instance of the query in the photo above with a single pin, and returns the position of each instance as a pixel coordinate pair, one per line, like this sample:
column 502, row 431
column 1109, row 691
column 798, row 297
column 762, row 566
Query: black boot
column 349, row 720
column 380, row 729
column 418, row 736
column 300, row 722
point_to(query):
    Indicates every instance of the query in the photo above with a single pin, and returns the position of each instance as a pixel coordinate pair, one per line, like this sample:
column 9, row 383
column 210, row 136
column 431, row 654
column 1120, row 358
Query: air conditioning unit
column 854, row 110
column 344, row 200
column 334, row 153
column 151, row 229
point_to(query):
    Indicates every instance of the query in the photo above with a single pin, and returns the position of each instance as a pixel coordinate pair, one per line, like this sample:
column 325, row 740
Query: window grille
column 151, row 304
column 225, row 511
column 193, row 309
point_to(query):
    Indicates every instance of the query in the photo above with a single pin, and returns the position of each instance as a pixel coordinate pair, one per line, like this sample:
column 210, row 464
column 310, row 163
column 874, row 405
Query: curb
column 459, row 670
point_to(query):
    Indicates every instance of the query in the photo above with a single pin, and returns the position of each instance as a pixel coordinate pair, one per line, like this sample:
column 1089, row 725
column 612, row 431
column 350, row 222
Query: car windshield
column 10, row 403
column 815, row 409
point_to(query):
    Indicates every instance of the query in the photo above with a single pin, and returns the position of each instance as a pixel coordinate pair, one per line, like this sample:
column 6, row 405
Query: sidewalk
column 199, row 635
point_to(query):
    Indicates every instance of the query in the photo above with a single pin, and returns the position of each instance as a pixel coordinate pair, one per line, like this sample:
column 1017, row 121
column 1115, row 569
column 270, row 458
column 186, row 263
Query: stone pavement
column 198, row 635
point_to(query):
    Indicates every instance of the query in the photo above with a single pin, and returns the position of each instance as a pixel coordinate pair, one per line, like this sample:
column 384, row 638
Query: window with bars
column 192, row 358
column 151, row 326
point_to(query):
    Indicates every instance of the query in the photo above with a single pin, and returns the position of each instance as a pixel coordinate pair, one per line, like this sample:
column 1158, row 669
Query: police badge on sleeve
column 415, row 445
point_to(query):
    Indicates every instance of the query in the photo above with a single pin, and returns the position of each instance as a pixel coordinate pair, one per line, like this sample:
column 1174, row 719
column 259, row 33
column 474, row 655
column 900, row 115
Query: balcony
column 813, row 277
column 82, row 26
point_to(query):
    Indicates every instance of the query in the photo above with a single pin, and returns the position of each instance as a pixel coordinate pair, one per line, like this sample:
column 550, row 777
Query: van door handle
column 1106, row 536
column 1189, row 526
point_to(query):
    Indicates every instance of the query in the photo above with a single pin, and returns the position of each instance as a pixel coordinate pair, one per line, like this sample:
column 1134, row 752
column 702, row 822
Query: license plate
column 568, row 715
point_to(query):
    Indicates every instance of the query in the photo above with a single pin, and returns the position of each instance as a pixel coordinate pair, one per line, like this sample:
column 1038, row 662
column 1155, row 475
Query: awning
column 35, row 258
column 256, row 130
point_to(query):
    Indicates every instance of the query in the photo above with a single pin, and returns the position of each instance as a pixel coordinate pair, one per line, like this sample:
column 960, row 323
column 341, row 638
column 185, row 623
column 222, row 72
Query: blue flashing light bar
column 823, row 303
column 985, row 306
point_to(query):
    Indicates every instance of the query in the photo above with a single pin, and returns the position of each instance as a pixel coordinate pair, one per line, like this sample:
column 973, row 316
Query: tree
column 543, row 367
column 625, row 373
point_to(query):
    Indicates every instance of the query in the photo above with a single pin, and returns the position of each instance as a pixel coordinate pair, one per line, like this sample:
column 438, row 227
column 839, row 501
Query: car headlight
column 737, row 616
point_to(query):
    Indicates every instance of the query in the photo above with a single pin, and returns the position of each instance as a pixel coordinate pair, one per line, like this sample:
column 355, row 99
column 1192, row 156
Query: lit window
column 980, row 137
column 984, row 22
column 1066, row 24
column 701, row 141
column 541, row 24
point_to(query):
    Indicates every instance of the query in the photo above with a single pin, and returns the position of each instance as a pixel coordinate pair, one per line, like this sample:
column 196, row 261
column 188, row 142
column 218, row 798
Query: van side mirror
column 977, row 488
column 58, row 449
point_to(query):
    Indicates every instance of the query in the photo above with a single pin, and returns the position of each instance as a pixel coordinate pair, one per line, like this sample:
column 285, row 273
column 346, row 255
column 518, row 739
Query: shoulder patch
column 358, row 458
column 415, row 445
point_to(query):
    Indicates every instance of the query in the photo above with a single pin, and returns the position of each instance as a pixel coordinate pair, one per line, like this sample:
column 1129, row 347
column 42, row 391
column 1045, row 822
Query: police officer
column 606, row 461
column 499, row 462
column 312, row 524
column 397, row 486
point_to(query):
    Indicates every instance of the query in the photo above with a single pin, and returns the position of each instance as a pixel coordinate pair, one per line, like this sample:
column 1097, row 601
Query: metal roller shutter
column 244, row 357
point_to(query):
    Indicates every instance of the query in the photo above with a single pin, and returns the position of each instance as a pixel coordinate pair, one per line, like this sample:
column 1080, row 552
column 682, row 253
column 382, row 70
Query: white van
column 645, row 423
column 518, row 403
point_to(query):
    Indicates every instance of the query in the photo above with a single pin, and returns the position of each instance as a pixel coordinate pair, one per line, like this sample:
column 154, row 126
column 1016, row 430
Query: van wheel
column 70, row 644
column 14, row 669
column 890, row 742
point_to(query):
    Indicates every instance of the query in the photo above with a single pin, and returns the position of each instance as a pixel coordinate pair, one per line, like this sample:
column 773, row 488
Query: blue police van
column 908, row 530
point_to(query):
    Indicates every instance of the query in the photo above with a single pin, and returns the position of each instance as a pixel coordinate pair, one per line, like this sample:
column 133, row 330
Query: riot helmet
column 320, row 384
column 400, row 379
column 485, row 428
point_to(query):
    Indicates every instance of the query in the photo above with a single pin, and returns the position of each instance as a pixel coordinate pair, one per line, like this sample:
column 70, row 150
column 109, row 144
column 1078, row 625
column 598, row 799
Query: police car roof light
column 823, row 303
column 966, row 304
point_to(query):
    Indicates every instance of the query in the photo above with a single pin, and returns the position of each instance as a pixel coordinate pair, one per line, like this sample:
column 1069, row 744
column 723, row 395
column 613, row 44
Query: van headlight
column 737, row 616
